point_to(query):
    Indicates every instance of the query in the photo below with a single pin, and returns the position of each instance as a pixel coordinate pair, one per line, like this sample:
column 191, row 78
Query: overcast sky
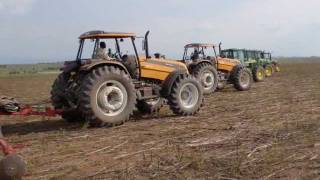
column 47, row 30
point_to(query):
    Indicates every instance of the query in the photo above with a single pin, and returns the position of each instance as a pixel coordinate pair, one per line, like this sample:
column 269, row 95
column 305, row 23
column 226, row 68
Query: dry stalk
column 259, row 148
column 135, row 153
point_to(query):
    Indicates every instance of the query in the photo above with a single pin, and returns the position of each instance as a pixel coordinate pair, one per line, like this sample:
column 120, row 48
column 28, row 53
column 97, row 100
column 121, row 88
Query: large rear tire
column 242, row 78
column 107, row 96
column 186, row 96
column 59, row 99
column 258, row 74
column 207, row 76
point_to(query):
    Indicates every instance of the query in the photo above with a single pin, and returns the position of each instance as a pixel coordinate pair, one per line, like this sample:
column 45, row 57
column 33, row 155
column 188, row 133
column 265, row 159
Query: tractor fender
column 192, row 65
column 95, row 64
column 234, row 70
column 169, row 81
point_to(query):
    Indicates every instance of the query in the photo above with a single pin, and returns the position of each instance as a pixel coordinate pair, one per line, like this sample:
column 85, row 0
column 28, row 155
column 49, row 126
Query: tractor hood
column 228, row 61
column 227, row 64
column 164, row 62
column 160, row 68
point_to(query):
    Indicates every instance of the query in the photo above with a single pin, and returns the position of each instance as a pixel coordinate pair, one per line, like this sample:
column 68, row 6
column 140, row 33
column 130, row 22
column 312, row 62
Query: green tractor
column 267, row 59
column 252, row 60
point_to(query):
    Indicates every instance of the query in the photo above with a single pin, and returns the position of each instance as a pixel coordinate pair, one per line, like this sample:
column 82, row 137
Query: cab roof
column 104, row 34
column 237, row 49
column 234, row 49
column 192, row 45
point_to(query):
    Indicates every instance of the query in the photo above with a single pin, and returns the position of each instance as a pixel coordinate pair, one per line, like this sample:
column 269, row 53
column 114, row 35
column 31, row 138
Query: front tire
column 268, row 70
column 186, row 96
column 258, row 74
column 208, row 77
column 107, row 97
column 242, row 79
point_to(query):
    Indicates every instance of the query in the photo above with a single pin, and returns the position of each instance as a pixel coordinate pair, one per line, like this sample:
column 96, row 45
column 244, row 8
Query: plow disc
column 12, row 166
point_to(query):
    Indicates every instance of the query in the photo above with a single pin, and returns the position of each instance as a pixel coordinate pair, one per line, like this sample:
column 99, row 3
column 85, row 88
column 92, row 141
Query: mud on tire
column 207, row 76
column 107, row 96
column 59, row 99
column 186, row 96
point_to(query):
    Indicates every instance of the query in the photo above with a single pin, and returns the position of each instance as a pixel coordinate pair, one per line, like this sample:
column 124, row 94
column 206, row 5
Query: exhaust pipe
column 146, row 44
column 220, row 50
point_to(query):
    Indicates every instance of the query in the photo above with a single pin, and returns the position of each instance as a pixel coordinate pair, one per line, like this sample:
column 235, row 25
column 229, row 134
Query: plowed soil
column 269, row 132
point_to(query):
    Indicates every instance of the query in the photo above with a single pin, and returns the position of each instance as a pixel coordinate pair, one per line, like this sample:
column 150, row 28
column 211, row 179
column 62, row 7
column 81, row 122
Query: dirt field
column 269, row 132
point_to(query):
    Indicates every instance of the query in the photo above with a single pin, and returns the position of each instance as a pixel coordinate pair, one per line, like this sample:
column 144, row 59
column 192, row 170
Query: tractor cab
column 266, row 56
column 196, row 52
column 99, row 47
column 234, row 54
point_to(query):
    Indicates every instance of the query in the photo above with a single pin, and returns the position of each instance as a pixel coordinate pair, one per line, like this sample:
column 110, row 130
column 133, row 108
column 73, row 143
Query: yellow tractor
column 214, row 71
column 108, row 80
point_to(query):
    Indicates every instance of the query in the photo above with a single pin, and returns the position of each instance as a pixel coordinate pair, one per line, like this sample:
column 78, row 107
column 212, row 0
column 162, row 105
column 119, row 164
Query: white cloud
column 16, row 7
column 281, row 26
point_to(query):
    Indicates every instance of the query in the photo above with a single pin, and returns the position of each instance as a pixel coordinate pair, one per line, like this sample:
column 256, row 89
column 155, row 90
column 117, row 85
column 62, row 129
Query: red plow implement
column 12, row 166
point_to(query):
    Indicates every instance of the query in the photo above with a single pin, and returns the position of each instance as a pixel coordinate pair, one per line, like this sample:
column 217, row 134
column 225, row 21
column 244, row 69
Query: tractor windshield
column 193, row 53
column 227, row 54
column 239, row 54
column 251, row 55
column 105, row 48
column 267, row 56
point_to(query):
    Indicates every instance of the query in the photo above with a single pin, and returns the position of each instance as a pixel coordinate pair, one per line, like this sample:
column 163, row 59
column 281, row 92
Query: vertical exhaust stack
column 146, row 44
column 220, row 50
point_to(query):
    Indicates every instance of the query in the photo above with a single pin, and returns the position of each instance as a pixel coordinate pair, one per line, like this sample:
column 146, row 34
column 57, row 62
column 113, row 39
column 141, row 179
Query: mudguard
column 69, row 66
column 192, row 65
column 168, row 83
column 97, row 63
column 234, row 70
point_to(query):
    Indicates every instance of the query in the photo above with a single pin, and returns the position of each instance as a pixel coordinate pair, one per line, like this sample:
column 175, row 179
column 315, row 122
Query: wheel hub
column 245, row 79
column 268, row 71
column 260, row 75
column 207, row 80
column 112, row 98
column 189, row 95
